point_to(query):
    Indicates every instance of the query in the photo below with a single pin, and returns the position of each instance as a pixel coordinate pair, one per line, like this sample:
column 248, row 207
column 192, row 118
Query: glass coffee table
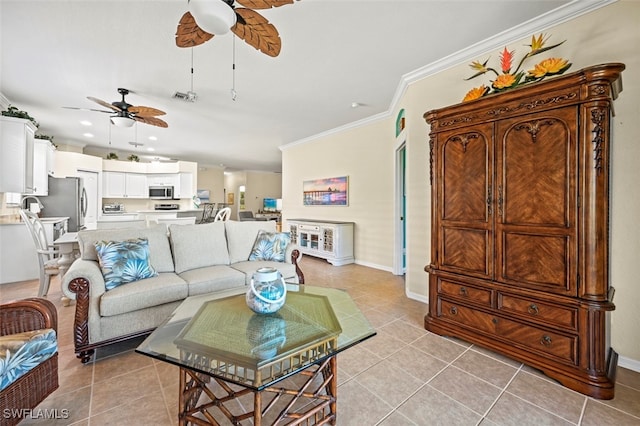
column 241, row 368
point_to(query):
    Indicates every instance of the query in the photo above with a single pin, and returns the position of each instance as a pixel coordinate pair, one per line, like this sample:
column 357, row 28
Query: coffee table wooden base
column 309, row 397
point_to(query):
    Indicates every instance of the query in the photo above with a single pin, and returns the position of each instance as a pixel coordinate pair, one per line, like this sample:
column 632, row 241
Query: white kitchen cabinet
column 169, row 179
column 16, row 155
column 329, row 240
column 42, row 166
column 184, row 189
column 124, row 185
column 19, row 261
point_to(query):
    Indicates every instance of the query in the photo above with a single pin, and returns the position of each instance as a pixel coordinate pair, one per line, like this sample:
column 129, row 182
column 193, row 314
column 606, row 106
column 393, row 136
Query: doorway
column 400, row 252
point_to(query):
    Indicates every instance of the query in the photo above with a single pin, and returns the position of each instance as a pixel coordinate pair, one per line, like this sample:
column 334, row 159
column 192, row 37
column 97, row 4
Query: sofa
column 187, row 260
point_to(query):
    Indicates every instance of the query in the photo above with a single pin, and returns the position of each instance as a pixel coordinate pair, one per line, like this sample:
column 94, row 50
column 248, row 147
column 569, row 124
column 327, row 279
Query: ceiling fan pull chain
column 234, row 95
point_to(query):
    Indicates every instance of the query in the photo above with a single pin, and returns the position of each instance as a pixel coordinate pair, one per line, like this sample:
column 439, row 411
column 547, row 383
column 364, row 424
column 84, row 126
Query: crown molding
column 557, row 16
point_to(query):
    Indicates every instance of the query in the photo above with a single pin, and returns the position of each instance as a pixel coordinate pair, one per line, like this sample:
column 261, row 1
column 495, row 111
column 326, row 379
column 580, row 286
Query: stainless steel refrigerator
column 67, row 198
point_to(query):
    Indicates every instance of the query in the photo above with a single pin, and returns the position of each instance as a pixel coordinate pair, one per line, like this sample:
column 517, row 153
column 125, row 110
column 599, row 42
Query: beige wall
column 212, row 178
column 258, row 185
column 366, row 155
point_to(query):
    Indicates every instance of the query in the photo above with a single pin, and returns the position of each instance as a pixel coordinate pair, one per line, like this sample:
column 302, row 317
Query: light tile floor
column 403, row 376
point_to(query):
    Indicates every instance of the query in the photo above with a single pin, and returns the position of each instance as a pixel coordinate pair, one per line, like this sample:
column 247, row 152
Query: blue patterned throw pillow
column 123, row 262
column 270, row 246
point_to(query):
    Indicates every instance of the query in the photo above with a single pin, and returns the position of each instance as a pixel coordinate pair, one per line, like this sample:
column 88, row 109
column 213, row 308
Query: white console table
column 329, row 240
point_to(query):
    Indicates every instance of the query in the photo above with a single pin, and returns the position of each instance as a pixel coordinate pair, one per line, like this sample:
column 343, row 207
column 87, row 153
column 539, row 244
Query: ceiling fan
column 126, row 114
column 220, row 16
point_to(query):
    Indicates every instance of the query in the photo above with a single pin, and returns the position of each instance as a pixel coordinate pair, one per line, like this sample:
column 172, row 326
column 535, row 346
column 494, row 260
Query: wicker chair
column 34, row 386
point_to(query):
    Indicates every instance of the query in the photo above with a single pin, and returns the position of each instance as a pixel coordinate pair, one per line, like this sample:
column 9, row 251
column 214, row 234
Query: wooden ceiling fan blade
column 151, row 120
column 88, row 109
column 256, row 31
column 104, row 104
column 263, row 4
column 145, row 111
column 189, row 34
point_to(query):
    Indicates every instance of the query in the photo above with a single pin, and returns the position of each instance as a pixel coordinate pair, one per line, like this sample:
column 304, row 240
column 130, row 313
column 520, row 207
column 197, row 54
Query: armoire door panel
column 465, row 162
column 536, row 164
column 540, row 262
column 465, row 250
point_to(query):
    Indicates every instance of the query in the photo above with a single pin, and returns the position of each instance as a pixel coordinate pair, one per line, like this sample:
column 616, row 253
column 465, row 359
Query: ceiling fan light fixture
column 121, row 121
column 214, row 16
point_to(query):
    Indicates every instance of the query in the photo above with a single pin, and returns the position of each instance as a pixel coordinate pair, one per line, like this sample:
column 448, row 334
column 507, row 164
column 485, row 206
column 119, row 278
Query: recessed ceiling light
column 153, row 138
column 88, row 135
column 86, row 123
column 355, row 104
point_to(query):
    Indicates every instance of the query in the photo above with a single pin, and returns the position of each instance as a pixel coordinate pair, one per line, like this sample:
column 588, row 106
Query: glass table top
column 217, row 334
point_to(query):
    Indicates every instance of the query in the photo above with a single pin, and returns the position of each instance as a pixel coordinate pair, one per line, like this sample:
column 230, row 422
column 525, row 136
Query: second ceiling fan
column 125, row 114
column 220, row 16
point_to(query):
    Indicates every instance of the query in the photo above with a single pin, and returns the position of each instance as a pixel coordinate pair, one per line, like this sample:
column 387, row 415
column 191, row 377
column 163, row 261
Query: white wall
column 366, row 155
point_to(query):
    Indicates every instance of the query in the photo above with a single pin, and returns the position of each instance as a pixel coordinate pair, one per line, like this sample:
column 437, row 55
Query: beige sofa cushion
column 242, row 235
column 197, row 246
column 212, row 278
column 165, row 288
column 159, row 250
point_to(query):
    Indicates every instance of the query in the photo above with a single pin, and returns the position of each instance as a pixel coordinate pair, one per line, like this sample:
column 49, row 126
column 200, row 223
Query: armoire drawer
column 537, row 311
column 533, row 338
column 462, row 291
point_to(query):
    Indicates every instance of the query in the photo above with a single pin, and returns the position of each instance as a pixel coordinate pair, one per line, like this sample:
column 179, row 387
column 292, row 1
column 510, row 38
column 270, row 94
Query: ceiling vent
column 187, row 97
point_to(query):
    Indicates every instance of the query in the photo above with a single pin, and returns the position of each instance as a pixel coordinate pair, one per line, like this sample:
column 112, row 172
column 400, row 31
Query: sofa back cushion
column 242, row 235
column 159, row 250
column 197, row 246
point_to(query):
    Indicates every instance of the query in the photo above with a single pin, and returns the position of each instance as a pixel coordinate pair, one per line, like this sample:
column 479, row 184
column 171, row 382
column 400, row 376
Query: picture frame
column 326, row 192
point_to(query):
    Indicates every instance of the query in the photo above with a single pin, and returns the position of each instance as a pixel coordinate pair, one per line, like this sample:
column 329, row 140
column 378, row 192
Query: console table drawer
column 462, row 291
column 537, row 311
column 543, row 341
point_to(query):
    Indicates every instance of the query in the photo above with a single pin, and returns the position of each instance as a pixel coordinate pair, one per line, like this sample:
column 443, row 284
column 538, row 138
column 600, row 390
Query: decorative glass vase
column 267, row 291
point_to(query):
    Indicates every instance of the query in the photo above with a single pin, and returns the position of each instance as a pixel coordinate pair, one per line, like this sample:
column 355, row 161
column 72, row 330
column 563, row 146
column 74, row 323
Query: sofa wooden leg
column 85, row 356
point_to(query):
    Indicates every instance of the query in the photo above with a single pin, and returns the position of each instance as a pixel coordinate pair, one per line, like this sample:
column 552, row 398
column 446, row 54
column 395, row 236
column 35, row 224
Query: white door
column 90, row 180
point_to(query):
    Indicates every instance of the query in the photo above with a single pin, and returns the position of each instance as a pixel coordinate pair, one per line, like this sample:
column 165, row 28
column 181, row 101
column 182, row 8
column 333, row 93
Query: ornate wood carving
column 534, row 127
column 464, row 140
column 80, row 286
column 598, row 116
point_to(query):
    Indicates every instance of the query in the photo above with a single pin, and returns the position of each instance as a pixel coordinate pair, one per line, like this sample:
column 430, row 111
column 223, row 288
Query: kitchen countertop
column 16, row 220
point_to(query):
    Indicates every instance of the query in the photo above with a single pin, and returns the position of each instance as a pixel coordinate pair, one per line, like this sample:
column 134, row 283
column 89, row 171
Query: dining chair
column 223, row 215
column 208, row 212
column 47, row 255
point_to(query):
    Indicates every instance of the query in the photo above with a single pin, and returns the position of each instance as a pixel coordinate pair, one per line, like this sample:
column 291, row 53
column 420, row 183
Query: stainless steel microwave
column 161, row 192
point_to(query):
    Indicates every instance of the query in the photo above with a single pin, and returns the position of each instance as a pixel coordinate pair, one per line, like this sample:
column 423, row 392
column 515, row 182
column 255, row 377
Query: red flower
column 506, row 59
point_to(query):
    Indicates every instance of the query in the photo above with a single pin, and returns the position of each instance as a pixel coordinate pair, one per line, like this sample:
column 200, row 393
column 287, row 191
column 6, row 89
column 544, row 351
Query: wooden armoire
column 520, row 225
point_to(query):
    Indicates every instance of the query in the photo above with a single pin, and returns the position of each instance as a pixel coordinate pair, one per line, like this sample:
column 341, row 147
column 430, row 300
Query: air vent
column 187, row 97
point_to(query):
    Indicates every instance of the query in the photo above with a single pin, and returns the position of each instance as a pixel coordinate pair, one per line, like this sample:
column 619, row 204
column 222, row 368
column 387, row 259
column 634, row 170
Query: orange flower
column 475, row 93
column 549, row 67
column 506, row 58
column 504, row 81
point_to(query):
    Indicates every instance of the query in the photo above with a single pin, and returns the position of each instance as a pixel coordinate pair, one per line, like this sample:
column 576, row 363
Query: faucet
column 33, row 197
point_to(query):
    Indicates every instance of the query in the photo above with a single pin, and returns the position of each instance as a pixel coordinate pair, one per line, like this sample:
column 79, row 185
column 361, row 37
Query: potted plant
column 12, row 111
column 133, row 157
column 112, row 156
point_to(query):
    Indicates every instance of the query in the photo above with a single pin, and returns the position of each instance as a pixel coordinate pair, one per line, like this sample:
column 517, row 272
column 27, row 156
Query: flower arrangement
column 509, row 79
column 133, row 157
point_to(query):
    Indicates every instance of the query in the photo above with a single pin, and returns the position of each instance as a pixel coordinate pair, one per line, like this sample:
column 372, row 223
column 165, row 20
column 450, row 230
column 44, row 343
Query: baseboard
column 374, row 266
column 419, row 297
column 629, row 363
